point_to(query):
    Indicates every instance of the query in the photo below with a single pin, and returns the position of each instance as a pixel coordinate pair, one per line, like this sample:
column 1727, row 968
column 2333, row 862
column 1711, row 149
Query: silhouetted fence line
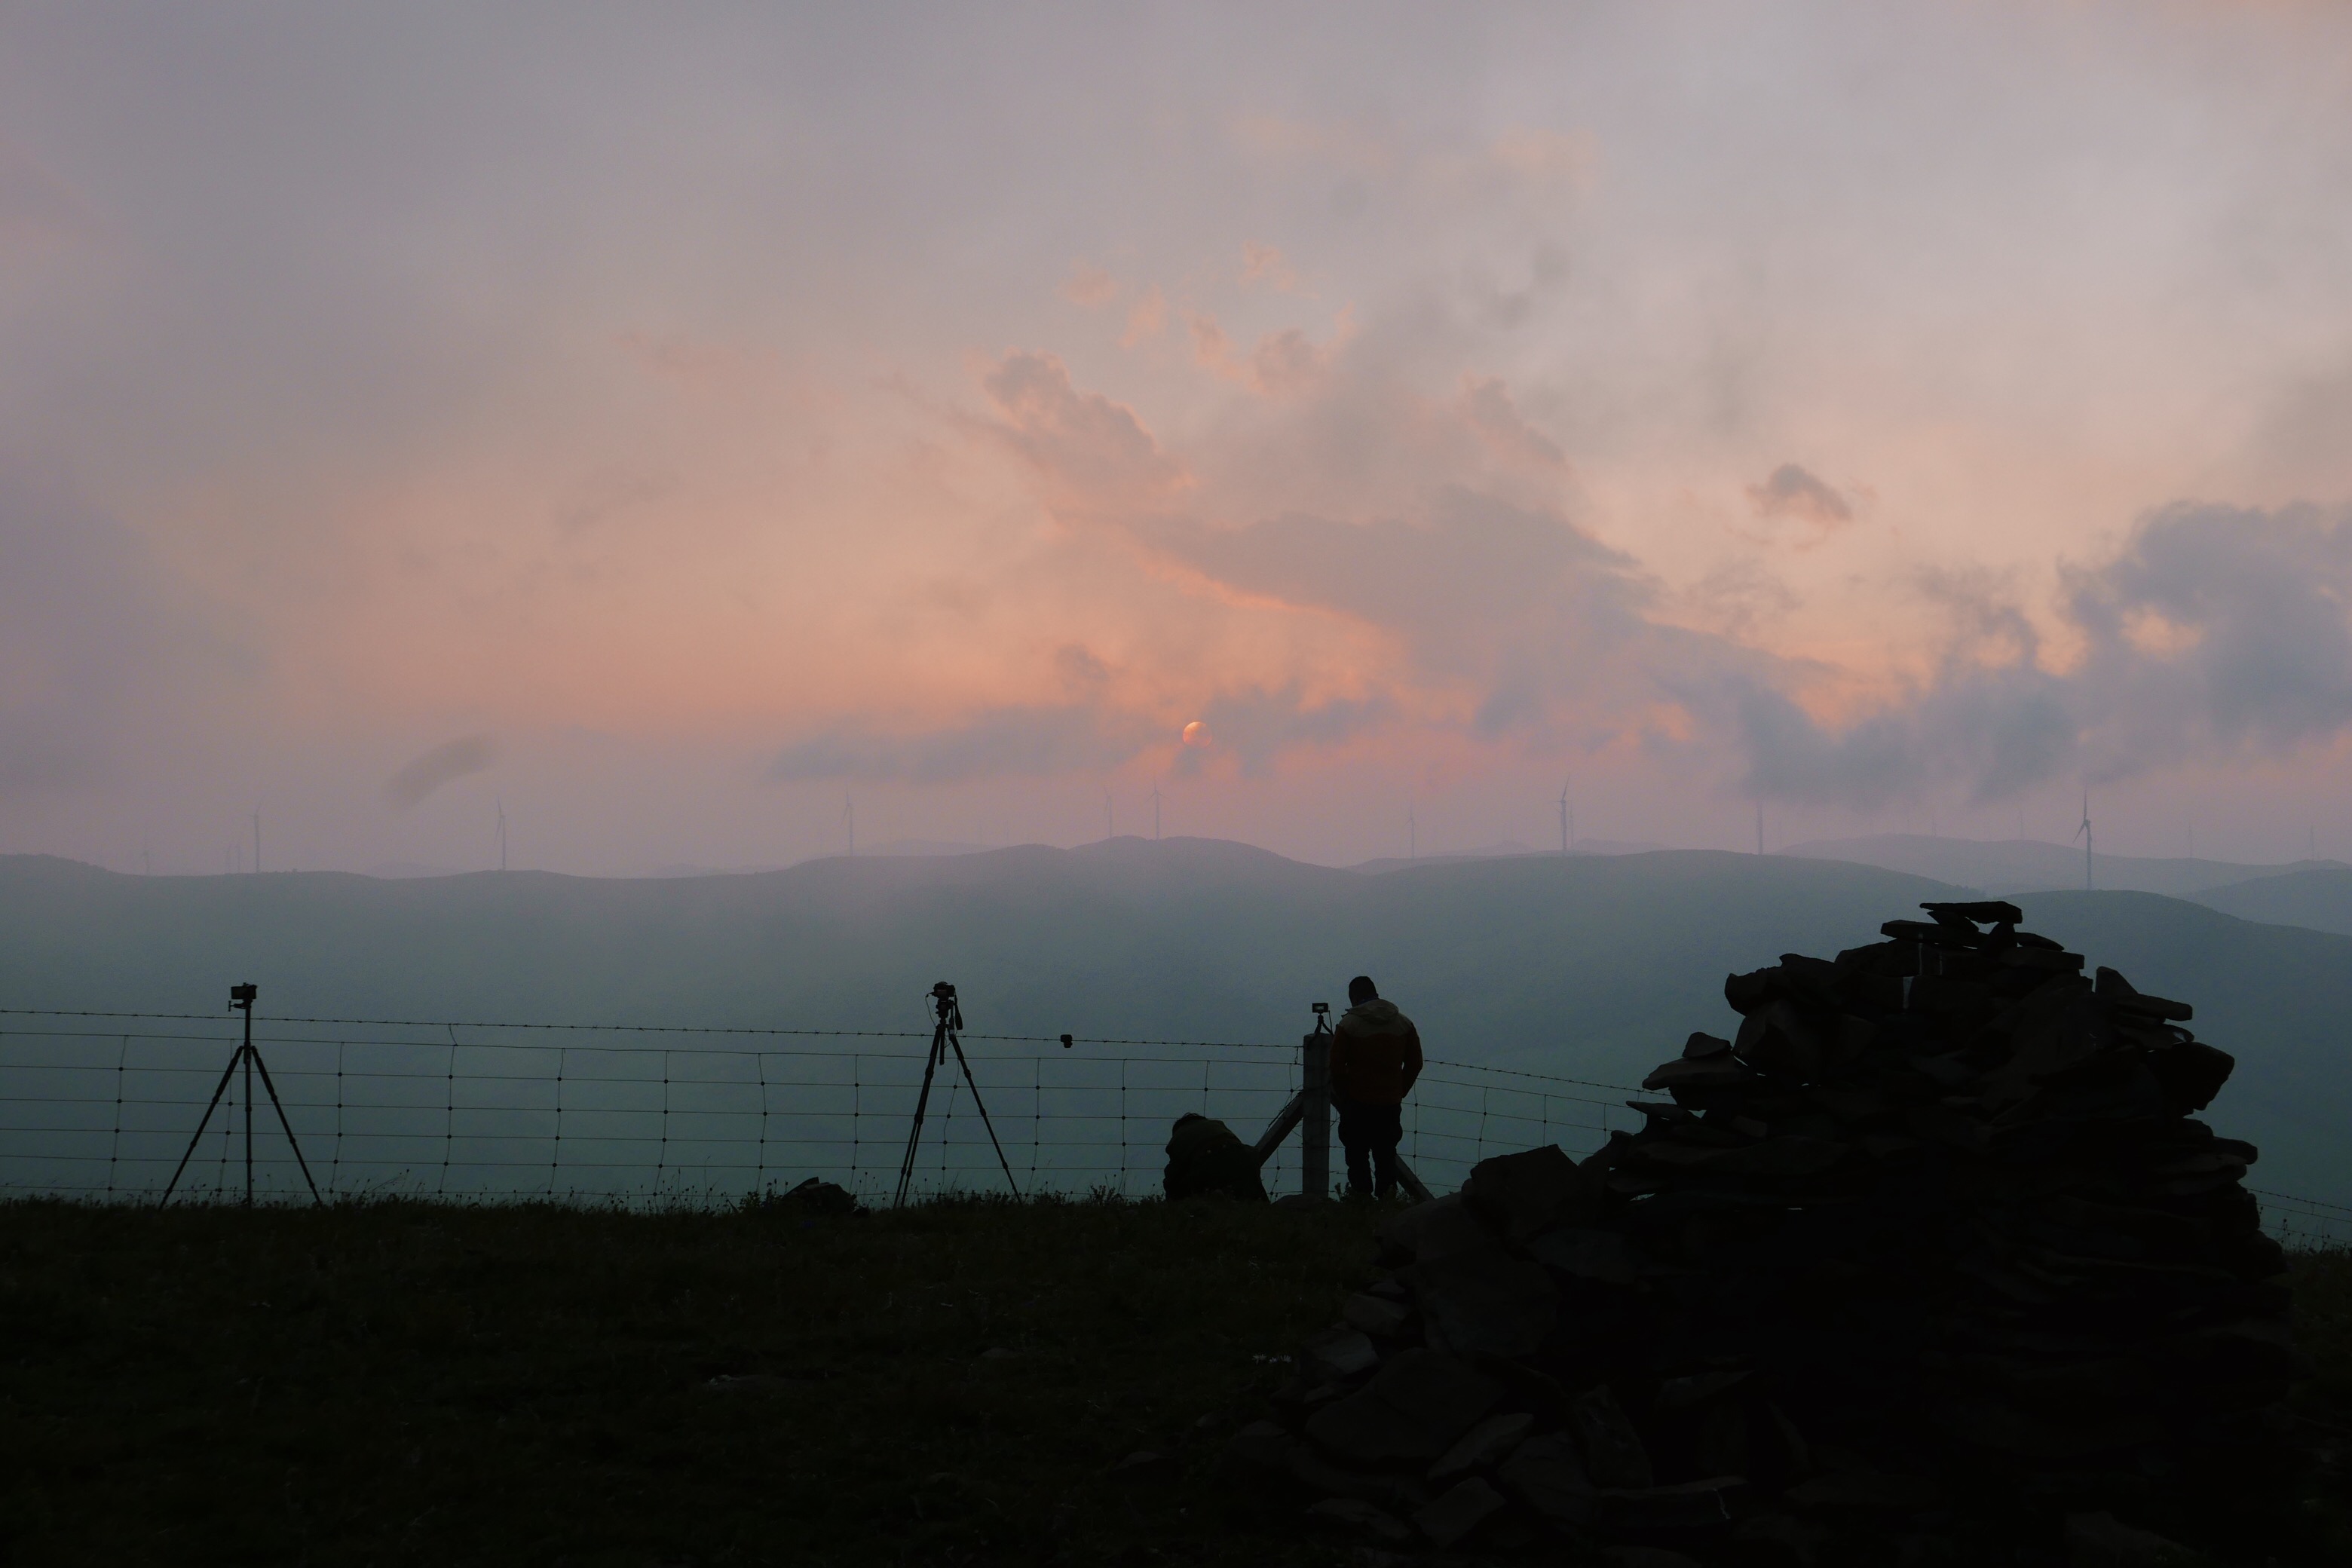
column 103, row 1106
column 2304, row 1222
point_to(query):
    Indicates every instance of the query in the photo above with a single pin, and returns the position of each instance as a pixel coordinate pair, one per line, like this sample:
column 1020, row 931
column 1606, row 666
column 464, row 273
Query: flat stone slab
column 1484, row 1303
column 1597, row 1255
column 1488, row 1443
column 1414, row 1407
column 1547, row 1473
column 1433, row 1229
column 1360, row 1519
column 1460, row 1510
column 1336, row 1353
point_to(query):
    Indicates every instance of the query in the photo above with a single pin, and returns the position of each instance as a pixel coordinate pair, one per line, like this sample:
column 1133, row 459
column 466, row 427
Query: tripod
column 950, row 1013
column 240, row 998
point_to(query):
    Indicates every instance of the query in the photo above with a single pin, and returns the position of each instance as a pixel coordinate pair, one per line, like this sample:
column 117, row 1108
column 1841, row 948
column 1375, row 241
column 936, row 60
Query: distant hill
column 1592, row 966
column 923, row 847
column 2027, row 866
column 2320, row 898
column 889, row 848
column 1587, row 957
column 1507, row 847
column 407, row 871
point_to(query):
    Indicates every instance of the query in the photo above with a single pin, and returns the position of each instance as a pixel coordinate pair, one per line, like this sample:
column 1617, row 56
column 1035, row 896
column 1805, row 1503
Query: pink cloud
column 1547, row 157
column 1265, row 264
column 1796, row 494
column 1283, row 363
column 1487, row 405
column 1089, row 450
column 1145, row 320
column 1089, row 285
column 1211, row 350
column 1353, row 148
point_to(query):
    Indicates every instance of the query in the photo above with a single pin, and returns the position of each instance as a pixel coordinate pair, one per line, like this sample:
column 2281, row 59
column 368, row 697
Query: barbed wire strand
column 2317, row 1211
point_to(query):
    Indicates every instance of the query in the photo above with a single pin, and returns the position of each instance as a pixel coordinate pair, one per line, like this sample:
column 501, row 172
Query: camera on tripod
column 948, row 1014
column 240, row 1000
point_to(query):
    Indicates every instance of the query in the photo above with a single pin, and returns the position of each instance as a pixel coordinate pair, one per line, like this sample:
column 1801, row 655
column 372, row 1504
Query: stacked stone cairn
column 1931, row 1263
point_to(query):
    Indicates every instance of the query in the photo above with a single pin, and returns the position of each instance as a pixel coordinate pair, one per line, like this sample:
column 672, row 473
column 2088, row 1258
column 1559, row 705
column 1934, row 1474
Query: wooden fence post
column 1315, row 1122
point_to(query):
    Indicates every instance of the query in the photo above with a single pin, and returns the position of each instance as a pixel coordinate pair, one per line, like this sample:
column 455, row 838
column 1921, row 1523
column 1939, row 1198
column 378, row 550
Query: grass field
column 403, row 1383
column 417, row 1384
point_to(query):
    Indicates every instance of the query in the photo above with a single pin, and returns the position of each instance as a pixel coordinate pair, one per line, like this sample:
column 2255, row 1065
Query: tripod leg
column 288, row 1127
column 915, row 1133
column 228, row 1073
column 984, row 1117
column 248, row 1124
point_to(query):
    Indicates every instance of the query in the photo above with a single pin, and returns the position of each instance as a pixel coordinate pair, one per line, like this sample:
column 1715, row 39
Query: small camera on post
column 242, row 995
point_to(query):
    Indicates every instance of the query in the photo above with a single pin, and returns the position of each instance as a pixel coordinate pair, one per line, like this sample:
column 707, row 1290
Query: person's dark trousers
column 1369, row 1134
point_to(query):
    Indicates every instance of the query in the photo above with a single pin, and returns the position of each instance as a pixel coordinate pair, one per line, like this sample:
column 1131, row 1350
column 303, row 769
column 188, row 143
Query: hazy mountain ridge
column 1508, row 849
column 2319, row 898
column 1592, row 966
column 2007, row 866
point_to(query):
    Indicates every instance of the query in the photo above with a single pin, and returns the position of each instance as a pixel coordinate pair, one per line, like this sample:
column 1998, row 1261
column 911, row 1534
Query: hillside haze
column 1590, row 966
column 2006, row 867
column 2320, row 898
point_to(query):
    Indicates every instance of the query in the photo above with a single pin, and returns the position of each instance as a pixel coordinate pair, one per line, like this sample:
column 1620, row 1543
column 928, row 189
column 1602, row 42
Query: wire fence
column 103, row 1107
column 2305, row 1222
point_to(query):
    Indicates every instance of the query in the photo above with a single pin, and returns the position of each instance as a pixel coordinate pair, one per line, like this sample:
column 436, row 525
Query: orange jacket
column 1375, row 1053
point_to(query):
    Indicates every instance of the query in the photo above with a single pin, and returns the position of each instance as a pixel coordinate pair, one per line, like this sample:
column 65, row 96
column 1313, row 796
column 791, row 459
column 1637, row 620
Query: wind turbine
column 1412, row 835
column 257, row 839
column 502, row 833
column 1155, row 814
column 1759, row 827
column 1109, row 834
column 1566, row 817
column 849, row 820
column 2084, row 833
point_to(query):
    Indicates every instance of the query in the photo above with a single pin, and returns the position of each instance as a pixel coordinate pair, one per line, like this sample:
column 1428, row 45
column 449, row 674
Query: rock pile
column 1206, row 1158
column 813, row 1197
column 1929, row 1257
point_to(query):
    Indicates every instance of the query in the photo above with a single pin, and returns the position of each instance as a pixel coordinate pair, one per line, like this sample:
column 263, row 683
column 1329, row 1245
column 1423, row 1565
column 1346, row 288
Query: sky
column 690, row 435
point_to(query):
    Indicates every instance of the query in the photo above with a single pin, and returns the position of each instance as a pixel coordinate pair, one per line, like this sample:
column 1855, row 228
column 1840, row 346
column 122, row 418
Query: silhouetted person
column 1375, row 1056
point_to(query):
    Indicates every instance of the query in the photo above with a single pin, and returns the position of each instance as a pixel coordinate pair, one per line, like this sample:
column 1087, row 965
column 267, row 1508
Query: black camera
column 1322, row 1006
column 242, row 995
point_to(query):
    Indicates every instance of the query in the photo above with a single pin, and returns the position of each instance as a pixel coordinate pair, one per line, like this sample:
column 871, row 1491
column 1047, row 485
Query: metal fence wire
column 2305, row 1222
column 102, row 1107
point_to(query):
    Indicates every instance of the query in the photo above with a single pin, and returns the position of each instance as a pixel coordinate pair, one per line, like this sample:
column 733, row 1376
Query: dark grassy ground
column 401, row 1384
column 415, row 1383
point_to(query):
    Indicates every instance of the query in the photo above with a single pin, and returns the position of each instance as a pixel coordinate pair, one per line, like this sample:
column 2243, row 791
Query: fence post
column 1315, row 1121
